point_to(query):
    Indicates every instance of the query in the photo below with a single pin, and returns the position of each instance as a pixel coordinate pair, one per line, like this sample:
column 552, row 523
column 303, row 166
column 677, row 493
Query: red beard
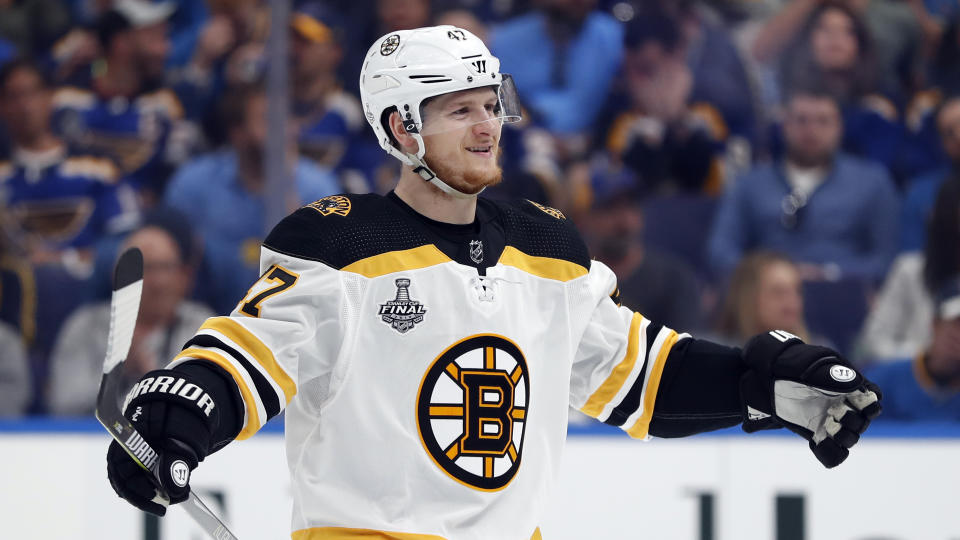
column 467, row 181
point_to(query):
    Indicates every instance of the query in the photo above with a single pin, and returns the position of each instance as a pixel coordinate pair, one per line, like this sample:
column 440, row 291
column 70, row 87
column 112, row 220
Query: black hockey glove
column 176, row 416
column 808, row 389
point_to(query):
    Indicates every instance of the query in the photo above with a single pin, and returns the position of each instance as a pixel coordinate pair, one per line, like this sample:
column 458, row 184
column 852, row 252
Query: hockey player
column 426, row 345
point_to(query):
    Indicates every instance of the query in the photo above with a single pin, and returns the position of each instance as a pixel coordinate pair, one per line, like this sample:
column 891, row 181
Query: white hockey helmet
column 404, row 68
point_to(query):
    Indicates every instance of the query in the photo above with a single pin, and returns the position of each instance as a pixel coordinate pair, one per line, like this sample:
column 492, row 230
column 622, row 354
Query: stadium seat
column 680, row 225
column 836, row 310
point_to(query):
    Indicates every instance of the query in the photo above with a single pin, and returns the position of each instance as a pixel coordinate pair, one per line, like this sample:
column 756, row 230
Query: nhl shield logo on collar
column 402, row 313
column 476, row 251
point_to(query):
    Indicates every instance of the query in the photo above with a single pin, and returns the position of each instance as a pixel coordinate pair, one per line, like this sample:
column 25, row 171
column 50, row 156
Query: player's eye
column 461, row 111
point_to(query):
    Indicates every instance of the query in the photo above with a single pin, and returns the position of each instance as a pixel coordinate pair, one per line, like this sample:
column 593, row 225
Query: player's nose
column 486, row 128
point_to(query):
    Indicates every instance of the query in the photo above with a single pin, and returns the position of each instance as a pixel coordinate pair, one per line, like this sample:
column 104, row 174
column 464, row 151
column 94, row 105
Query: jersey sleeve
column 284, row 331
column 620, row 358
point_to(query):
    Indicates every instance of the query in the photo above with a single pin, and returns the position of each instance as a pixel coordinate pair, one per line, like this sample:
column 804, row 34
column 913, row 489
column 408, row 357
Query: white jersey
column 423, row 399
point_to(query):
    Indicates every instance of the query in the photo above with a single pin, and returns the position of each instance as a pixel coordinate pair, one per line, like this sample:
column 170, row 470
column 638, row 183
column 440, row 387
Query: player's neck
column 429, row 201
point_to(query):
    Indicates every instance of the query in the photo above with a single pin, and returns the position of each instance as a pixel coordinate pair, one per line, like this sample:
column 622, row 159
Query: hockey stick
column 124, row 305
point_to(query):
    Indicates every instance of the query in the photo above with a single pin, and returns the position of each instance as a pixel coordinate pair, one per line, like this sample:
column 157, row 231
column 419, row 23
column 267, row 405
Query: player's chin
column 472, row 185
column 477, row 179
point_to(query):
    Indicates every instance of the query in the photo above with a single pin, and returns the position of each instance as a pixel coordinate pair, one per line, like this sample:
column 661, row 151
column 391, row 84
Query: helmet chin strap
column 420, row 167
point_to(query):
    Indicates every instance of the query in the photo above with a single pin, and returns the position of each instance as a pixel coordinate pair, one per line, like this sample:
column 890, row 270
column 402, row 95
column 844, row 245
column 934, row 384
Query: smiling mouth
column 480, row 150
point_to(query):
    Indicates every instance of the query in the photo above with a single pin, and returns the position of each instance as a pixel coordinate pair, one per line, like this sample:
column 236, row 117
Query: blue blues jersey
column 910, row 393
column 324, row 136
column 137, row 133
column 64, row 200
column 336, row 138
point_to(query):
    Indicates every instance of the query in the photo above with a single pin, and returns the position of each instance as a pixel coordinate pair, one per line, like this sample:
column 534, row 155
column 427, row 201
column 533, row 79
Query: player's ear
column 405, row 140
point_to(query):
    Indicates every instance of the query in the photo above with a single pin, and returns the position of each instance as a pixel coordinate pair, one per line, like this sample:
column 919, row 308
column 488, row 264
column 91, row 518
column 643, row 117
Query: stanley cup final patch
column 402, row 313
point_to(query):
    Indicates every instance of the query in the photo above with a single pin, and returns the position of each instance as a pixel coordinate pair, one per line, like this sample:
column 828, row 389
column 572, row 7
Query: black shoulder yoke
column 541, row 231
column 341, row 229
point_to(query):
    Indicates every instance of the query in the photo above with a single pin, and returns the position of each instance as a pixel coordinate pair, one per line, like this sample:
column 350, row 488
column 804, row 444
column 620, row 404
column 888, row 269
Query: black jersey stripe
column 268, row 396
column 631, row 402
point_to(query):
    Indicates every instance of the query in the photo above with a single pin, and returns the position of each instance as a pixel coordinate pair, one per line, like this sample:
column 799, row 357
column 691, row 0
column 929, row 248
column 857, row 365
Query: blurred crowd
column 742, row 165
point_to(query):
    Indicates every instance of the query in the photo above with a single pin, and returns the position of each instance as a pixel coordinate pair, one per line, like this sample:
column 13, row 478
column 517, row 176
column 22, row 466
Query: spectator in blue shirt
column 834, row 49
column 834, row 214
column 224, row 195
column 928, row 386
column 563, row 59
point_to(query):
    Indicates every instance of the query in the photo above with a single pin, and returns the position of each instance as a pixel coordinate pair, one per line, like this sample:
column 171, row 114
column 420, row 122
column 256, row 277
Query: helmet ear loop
column 417, row 160
column 422, row 146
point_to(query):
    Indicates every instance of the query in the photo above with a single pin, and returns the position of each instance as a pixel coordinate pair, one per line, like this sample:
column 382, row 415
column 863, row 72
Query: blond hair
column 738, row 317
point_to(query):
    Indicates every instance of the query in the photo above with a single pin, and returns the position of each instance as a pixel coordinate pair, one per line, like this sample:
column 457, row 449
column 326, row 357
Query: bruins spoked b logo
column 472, row 410
column 333, row 204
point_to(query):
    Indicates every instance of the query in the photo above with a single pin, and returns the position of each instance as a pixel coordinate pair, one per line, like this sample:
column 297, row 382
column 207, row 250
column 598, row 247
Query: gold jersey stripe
column 256, row 349
column 488, row 467
column 519, row 414
column 344, row 533
column 642, row 425
column 608, row 390
column 253, row 418
column 545, row 267
column 536, row 535
column 490, row 361
column 513, row 452
column 397, row 261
